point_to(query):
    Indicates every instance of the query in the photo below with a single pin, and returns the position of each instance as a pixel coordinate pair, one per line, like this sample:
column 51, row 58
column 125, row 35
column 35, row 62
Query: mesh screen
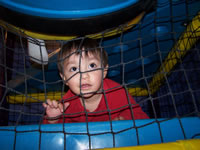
column 157, row 61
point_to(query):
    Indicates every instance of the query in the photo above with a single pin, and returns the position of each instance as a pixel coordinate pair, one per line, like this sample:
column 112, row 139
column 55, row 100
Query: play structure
column 154, row 53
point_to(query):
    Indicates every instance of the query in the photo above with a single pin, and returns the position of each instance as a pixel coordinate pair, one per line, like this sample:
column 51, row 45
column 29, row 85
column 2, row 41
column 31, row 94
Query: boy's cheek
column 69, row 76
column 73, row 79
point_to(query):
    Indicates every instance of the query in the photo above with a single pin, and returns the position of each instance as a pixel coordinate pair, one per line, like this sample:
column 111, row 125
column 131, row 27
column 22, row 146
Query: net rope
column 173, row 94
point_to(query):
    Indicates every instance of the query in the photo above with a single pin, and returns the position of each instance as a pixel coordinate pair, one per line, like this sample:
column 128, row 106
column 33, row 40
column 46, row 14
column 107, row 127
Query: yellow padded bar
column 34, row 97
column 41, row 36
column 186, row 41
column 41, row 97
column 179, row 145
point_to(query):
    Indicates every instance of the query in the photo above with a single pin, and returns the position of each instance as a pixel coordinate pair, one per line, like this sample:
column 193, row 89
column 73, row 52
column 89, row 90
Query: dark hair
column 76, row 46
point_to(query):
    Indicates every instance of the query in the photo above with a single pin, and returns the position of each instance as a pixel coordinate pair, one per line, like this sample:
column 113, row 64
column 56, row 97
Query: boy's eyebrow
column 70, row 62
column 74, row 62
column 92, row 57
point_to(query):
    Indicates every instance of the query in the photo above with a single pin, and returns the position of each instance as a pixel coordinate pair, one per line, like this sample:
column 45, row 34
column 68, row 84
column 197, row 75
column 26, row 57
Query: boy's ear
column 105, row 71
column 63, row 78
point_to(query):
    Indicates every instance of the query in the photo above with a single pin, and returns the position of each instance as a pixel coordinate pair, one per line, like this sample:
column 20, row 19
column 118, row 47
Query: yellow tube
column 35, row 35
column 186, row 41
column 41, row 97
column 117, row 30
column 179, row 145
column 184, row 44
column 42, row 36
column 34, row 97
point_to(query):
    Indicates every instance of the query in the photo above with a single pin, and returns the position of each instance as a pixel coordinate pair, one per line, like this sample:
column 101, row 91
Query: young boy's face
column 83, row 73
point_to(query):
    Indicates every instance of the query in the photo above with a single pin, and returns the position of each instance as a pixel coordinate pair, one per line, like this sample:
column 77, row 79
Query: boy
column 91, row 96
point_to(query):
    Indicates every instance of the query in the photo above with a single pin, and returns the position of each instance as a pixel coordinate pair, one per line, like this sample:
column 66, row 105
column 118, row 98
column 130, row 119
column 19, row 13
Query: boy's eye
column 73, row 69
column 92, row 66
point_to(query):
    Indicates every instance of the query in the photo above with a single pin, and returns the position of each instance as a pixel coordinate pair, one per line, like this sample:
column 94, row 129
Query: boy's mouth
column 85, row 86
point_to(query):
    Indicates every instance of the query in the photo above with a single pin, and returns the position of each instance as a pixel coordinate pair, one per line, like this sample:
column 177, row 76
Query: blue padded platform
column 78, row 136
column 66, row 8
column 70, row 17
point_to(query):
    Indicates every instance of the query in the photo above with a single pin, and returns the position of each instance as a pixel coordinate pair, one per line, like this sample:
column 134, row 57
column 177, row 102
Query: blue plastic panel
column 66, row 8
column 78, row 136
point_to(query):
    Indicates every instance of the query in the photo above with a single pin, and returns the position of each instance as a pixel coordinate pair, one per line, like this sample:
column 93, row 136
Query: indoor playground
column 153, row 48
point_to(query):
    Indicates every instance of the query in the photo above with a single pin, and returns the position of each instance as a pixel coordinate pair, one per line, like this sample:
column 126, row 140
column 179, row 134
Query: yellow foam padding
column 41, row 97
column 35, row 35
column 42, row 36
column 34, row 97
column 183, row 45
column 117, row 30
column 179, row 145
column 137, row 91
column 186, row 41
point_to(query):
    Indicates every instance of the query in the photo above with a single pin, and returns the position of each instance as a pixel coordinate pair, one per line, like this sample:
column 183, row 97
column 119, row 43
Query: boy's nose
column 84, row 75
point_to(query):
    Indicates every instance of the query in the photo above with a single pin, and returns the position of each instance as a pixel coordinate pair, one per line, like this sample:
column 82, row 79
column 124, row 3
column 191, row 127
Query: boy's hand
column 119, row 118
column 54, row 109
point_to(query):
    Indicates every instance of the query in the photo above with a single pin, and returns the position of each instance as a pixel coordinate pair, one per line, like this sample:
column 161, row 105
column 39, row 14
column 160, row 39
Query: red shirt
column 114, row 103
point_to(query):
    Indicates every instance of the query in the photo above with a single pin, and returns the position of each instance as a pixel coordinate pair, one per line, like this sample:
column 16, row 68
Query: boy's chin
column 87, row 95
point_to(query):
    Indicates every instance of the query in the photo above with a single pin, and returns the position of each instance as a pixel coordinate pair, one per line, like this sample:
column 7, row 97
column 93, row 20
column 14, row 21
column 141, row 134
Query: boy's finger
column 49, row 102
column 66, row 104
column 60, row 105
column 121, row 118
column 44, row 105
column 55, row 104
column 115, row 119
